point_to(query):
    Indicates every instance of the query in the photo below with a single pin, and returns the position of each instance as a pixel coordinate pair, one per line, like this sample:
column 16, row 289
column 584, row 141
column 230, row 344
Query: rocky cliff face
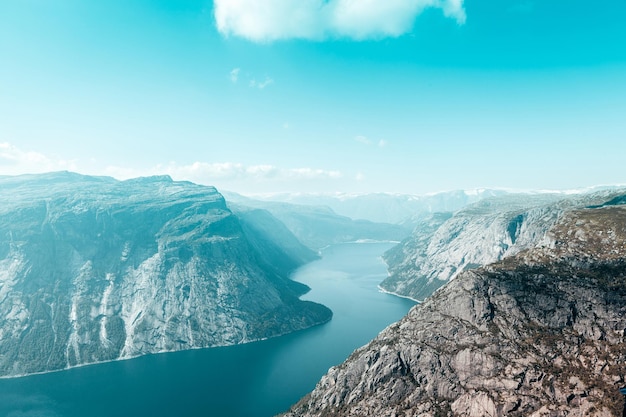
column 444, row 245
column 93, row 269
column 541, row 333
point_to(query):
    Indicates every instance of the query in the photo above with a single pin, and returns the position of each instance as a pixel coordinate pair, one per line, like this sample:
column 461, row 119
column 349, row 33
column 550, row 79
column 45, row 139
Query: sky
column 260, row 96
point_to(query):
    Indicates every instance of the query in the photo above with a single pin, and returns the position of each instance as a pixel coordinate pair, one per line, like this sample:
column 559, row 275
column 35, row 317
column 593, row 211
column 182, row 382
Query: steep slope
column 273, row 240
column 318, row 226
column 93, row 269
column 441, row 247
column 541, row 333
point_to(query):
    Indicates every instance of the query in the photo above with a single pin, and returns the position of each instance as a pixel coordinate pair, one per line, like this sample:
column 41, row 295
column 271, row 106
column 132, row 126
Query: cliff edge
column 540, row 333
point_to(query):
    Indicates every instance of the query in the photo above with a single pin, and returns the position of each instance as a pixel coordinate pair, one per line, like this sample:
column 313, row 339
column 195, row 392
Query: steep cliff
column 93, row 269
column 444, row 245
column 541, row 333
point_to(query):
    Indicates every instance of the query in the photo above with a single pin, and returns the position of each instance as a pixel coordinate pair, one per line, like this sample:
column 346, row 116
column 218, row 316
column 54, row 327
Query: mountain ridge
column 93, row 269
column 443, row 245
column 539, row 333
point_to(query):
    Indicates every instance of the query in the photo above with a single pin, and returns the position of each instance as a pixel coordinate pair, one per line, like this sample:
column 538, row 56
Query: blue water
column 253, row 380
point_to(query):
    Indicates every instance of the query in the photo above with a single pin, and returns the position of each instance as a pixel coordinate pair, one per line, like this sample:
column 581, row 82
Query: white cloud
column 311, row 174
column 453, row 9
column 224, row 175
column 366, row 141
column 270, row 20
column 15, row 161
column 234, row 75
column 210, row 173
column 261, row 84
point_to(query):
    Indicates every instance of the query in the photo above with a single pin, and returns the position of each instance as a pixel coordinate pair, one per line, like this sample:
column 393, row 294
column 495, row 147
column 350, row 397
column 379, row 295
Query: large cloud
column 268, row 20
column 238, row 177
column 14, row 161
column 210, row 173
column 227, row 175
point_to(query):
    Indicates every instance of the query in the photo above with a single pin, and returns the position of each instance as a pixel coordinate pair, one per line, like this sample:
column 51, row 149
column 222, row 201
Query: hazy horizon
column 413, row 97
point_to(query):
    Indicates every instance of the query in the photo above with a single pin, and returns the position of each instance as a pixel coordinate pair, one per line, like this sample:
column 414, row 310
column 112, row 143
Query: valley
column 259, row 379
column 117, row 274
column 312, row 208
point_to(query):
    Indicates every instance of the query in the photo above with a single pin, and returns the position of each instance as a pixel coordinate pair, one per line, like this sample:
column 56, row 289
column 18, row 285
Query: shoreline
column 83, row 365
column 359, row 241
column 381, row 289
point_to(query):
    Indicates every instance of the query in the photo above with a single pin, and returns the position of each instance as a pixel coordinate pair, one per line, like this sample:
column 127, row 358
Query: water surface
column 253, row 380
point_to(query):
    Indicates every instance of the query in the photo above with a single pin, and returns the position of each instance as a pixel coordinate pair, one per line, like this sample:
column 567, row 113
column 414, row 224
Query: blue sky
column 411, row 96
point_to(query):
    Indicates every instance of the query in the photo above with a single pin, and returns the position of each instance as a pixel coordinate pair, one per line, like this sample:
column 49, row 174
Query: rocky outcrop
column 93, row 269
column 444, row 245
column 540, row 333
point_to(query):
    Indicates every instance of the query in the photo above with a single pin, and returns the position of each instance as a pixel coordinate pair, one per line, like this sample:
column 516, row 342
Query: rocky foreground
column 540, row 333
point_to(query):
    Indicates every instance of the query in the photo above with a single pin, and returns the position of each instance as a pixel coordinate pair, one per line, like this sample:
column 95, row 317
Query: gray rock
column 540, row 333
column 444, row 245
column 93, row 269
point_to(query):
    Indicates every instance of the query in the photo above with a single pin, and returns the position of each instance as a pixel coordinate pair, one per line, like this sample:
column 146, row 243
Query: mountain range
column 538, row 332
column 445, row 244
column 385, row 207
column 317, row 225
column 523, row 295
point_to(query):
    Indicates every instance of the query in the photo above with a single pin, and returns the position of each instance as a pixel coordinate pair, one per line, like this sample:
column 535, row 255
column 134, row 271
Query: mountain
column 443, row 245
column 319, row 226
column 273, row 240
column 387, row 207
column 540, row 333
column 94, row 269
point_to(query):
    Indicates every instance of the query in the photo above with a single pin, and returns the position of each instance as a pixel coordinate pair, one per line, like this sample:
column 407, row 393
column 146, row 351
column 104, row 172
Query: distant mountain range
column 404, row 209
column 443, row 245
column 385, row 207
column 452, row 231
column 318, row 226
